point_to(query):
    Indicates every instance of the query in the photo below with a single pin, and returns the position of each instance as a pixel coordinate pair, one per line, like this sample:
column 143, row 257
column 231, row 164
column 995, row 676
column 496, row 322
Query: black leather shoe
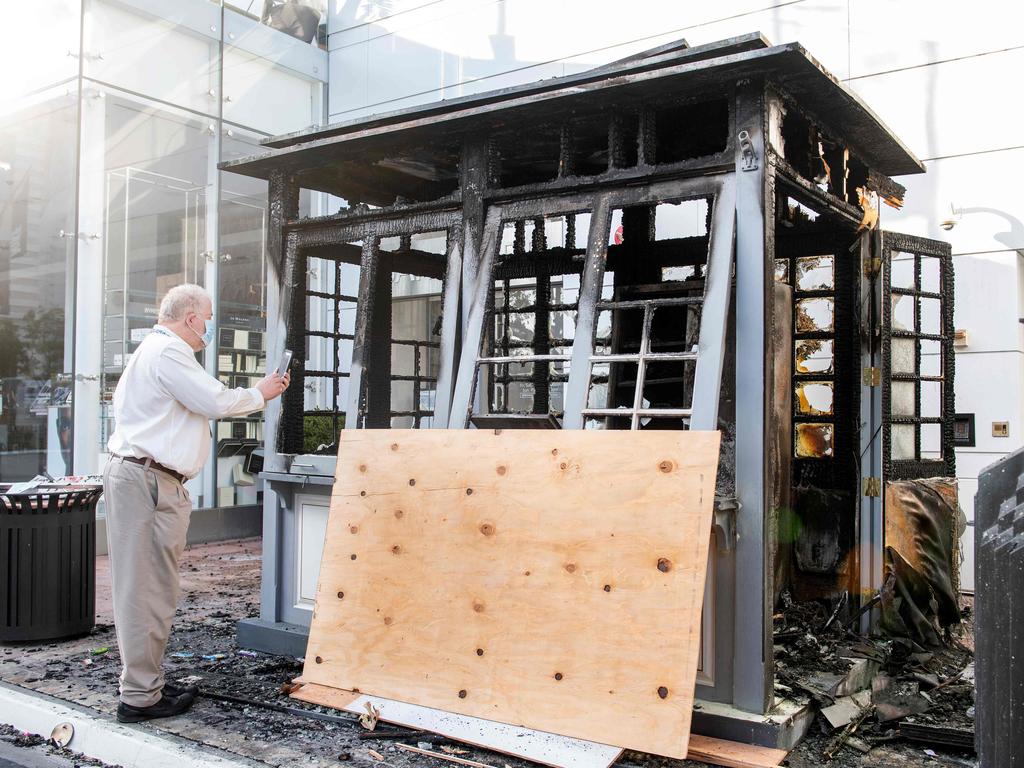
column 176, row 689
column 168, row 706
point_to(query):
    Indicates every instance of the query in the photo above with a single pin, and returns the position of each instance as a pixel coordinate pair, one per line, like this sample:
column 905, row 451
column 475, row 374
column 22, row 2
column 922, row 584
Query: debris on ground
column 246, row 710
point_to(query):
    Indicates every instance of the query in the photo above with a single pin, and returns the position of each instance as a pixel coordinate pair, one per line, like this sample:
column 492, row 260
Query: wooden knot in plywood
column 487, row 529
column 666, row 466
column 398, row 514
column 394, row 446
column 353, row 529
column 570, row 567
column 387, row 621
column 478, row 607
column 502, row 470
column 664, row 564
column 362, row 467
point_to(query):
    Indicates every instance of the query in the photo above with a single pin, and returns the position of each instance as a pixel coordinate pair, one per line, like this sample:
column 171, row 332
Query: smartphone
column 286, row 360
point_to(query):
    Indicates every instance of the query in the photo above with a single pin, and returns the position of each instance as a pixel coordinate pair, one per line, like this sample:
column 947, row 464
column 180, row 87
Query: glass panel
column 903, row 438
column 815, row 273
column 931, row 399
column 813, row 356
column 121, row 46
column 304, row 22
column 41, row 39
column 814, row 315
column 931, row 357
column 931, row 316
column 813, row 440
column 904, row 355
column 261, row 95
column 814, row 399
column 901, row 270
column 931, row 274
column 902, row 312
column 37, row 201
column 903, row 398
column 931, row 441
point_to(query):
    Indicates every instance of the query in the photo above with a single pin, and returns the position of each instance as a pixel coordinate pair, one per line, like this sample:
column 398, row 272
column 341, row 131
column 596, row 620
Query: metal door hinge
column 872, row 486
column 747, row 153
column 872, row 377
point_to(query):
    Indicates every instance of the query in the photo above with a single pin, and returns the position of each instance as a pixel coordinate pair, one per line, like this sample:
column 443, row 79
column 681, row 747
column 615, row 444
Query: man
column 162, row 407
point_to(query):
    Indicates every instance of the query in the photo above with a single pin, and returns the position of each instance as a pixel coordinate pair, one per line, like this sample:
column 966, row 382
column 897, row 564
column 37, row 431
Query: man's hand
column 273, row 385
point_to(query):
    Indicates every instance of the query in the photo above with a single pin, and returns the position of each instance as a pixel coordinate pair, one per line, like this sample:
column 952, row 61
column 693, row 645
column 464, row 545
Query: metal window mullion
column 368, row 262
column 336, row 381
column 587, row 304
column 641, row 366
column 707, row 383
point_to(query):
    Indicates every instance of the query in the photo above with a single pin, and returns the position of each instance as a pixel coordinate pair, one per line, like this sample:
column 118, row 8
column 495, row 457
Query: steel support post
column 752, row 659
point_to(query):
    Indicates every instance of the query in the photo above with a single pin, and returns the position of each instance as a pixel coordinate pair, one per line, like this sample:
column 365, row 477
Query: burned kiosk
column 686, row 238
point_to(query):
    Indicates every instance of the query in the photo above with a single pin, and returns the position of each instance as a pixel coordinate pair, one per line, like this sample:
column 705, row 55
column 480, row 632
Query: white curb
column 104, row 739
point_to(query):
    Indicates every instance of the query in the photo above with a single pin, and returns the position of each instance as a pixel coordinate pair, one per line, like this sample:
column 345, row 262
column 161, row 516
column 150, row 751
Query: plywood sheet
column 544, row 748
column 551, row 580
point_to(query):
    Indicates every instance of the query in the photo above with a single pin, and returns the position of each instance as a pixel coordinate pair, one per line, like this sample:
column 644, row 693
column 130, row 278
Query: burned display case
column 685, row 239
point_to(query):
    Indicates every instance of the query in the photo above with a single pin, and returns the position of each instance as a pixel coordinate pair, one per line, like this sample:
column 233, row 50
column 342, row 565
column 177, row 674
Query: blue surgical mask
column 207, row 336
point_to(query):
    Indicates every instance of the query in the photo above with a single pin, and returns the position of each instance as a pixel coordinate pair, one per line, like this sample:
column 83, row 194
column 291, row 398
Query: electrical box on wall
column 1000, row 429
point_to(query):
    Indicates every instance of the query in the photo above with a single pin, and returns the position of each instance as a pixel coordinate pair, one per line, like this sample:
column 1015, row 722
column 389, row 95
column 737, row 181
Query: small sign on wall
column 1000, row 429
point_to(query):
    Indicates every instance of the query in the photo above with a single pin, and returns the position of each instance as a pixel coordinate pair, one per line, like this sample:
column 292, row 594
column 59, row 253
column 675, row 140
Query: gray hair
column 181, row 300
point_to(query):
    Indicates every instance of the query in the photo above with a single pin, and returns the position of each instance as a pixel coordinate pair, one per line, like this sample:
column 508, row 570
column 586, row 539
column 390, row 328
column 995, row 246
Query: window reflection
column 37, row 181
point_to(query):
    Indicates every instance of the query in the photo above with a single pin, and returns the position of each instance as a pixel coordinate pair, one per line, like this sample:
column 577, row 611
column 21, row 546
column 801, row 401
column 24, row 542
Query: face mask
column 206, row 337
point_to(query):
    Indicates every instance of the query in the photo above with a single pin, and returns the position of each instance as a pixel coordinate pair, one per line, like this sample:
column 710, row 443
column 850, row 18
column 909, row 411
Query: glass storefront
column 110, row 195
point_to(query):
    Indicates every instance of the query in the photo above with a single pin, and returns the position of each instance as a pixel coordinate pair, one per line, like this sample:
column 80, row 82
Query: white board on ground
column 538, row 746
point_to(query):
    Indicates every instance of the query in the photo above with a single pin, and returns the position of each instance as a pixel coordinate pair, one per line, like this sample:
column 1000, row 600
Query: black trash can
column 48, row 565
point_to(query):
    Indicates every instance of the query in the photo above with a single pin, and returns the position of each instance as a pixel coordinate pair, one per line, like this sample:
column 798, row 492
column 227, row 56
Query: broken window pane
column 813, row 440
column 903, row 398
column 931, row 441
column 669, row 383
column 782, row 270
column 903, row 441
column 902, row 312
column 931, row 357
column 931, row 399
column 814, row 315
column 815, row 273
column 901, row 270
column 685, row 218
column 931, row 274
column 904, row 355
column 677, row 274
column 813, row 356
column 931, row 316
column 814, row 398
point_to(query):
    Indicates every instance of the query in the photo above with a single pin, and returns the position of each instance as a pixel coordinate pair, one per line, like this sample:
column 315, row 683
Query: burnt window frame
column 316, row 238
column 720, row 189
column 918, row 467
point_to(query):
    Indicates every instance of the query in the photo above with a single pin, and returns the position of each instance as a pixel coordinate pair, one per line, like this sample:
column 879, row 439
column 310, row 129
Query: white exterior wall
column 931, row 70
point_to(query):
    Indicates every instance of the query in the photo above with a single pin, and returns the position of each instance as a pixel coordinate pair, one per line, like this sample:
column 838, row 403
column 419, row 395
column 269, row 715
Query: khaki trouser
column 147, row 518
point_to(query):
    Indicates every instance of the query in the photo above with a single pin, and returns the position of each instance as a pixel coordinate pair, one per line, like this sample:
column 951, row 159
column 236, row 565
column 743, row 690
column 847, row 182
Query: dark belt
column 147, row 463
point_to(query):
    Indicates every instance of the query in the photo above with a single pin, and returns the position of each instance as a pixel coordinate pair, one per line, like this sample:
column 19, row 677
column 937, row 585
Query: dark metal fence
column 999, row 620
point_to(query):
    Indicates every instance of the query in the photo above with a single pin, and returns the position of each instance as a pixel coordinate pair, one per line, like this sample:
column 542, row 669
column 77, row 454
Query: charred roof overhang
column 415, row 152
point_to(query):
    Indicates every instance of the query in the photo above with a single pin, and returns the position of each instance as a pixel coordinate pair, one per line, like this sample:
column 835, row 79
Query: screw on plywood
column 487, row 529
column 462, row 693
column 664, row 564
column 663, row 692
column 341, row 595
column 479, row 651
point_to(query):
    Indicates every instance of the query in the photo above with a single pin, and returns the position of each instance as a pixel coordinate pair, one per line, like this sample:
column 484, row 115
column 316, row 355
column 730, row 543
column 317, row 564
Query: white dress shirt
column 164, row 401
